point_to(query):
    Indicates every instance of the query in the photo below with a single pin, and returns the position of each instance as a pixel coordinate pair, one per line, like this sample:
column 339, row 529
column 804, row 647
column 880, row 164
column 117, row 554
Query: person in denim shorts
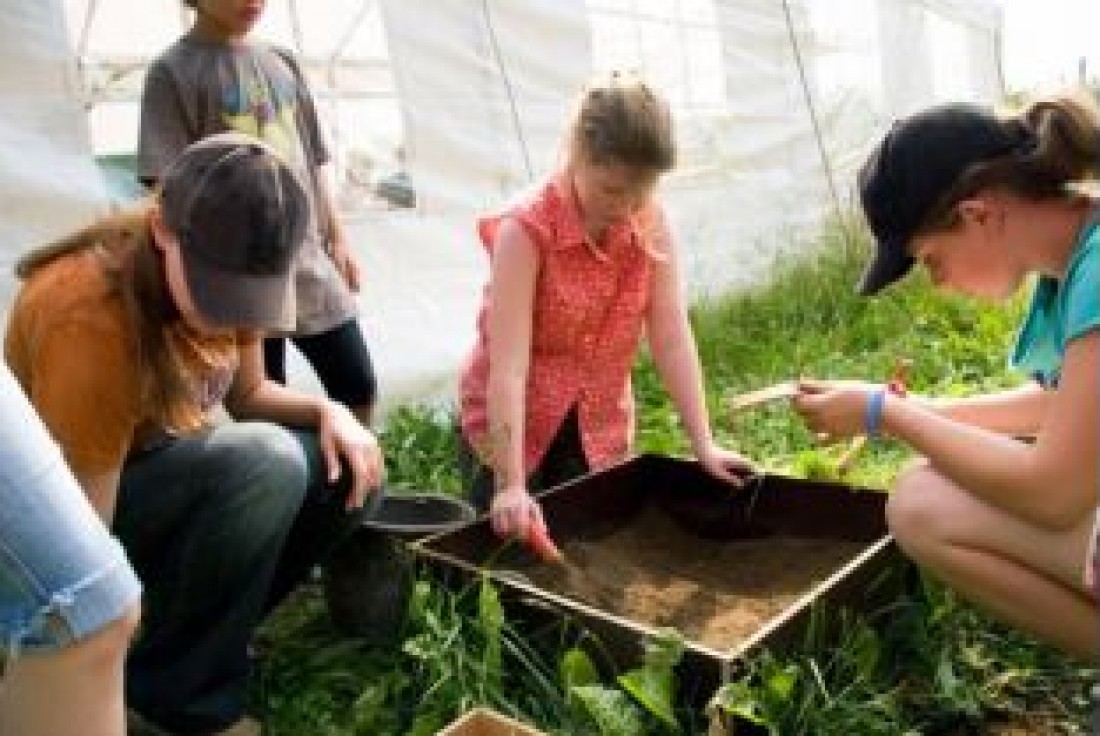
column 68, row 596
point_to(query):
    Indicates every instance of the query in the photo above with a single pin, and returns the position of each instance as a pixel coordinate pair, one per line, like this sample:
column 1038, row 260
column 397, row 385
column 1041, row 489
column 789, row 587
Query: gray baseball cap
column 240, row 214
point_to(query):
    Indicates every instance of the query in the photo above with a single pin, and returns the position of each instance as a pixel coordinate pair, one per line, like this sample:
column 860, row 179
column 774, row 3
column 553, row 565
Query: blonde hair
column 135, row 271
column 619, row 119
column 1058, row 150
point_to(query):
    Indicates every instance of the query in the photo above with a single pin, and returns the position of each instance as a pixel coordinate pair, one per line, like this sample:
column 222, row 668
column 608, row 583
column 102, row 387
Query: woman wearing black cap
column 125, row 335
column 984, row 204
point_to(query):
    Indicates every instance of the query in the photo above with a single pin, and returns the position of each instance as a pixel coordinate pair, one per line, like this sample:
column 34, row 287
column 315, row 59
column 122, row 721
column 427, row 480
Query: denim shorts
column 62, row 575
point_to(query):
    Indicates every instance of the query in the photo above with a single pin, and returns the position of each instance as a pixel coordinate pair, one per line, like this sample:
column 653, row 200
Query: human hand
column 725, row 464
column 834, row 409
column 514, row 512
column 346, row 265
column 342, row 436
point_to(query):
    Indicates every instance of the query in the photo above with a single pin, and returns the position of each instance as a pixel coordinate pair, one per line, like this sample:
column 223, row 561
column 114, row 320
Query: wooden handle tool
column 777, row 391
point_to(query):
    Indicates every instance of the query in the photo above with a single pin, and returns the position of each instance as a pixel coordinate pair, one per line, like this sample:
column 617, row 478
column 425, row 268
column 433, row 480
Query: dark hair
column 193, row 4
column 1059, row 146
column 620, row 120
column 135, row 271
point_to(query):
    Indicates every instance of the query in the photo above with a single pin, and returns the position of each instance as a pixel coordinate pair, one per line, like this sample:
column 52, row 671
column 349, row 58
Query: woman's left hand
column 725, row 464
column 834, row 409
column 342, row 436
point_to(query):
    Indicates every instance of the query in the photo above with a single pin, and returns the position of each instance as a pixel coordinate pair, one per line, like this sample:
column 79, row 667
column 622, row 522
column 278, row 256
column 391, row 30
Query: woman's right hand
column 513, row 512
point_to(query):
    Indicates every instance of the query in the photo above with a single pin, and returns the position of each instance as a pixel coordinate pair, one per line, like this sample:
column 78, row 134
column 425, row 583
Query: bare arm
column 1051, row 482
column 673, row 345
column 254, row 396
column 339, row 433
column 329, row 214
column 1018, row 412
column 677, row 360
column 511, row 310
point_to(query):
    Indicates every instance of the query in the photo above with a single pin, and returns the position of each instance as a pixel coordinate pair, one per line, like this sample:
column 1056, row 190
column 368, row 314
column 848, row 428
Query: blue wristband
column 872, row 413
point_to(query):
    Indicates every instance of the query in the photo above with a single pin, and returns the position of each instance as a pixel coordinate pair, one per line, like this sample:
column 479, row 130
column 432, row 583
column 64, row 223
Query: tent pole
column 811, row 108
column 86, row 28
column 296, row 26
column 516, row 121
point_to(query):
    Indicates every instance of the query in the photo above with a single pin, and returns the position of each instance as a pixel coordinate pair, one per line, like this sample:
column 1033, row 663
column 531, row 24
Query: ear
column 978, row 211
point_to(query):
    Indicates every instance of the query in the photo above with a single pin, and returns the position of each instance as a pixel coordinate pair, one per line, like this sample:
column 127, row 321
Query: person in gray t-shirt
column 214, row 79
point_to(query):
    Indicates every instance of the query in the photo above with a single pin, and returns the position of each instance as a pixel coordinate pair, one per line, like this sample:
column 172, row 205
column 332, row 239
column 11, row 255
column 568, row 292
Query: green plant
column 928, row 665
column 925, row 664
column 421, row 445
column 641, row 701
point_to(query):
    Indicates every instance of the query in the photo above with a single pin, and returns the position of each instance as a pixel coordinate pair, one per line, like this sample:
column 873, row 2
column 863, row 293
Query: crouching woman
column 987, row 204
column 125, row 336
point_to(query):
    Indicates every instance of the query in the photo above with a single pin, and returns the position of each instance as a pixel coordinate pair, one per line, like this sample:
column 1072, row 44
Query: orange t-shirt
column 589, row 314
column 71, row 347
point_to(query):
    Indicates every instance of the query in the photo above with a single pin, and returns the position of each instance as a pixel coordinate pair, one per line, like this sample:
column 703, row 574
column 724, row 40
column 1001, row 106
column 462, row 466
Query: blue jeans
column 220, row 526
column 62, row 575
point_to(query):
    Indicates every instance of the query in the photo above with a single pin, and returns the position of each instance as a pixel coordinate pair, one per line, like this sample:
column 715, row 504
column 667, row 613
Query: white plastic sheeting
column 776, row 101
column 48, row 182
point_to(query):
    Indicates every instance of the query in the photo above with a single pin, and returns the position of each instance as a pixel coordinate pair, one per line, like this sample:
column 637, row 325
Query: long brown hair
column 135, row 272
column 1059, row 146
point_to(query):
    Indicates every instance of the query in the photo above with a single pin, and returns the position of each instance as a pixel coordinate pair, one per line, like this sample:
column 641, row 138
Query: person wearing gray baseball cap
column 1002, row 508
column 125, row 336
column 239, row 216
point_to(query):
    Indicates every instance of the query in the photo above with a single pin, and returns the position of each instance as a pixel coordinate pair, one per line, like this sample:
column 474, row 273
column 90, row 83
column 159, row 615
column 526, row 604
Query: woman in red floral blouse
column 582, row 266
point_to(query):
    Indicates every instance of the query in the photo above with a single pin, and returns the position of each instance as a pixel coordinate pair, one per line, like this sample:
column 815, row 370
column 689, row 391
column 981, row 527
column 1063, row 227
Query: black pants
column 564, row 460
column 220, row 527
column 340, row 359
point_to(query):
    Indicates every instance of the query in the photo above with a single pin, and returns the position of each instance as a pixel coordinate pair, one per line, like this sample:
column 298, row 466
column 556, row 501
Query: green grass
column 939, row 668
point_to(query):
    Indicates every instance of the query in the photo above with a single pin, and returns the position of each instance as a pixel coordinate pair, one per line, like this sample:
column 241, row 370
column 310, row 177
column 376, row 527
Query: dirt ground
column 716, row 593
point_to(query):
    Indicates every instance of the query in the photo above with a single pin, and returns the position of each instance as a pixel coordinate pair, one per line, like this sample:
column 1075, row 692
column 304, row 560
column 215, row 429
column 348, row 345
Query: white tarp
column 776, row 102
column 48, row 181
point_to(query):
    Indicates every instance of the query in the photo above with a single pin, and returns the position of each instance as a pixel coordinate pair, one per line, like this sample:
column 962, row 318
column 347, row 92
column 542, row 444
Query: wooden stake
column 784, row 390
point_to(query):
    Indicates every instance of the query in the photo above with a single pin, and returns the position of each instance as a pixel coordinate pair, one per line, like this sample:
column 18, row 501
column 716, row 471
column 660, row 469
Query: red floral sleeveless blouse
column 589, row 313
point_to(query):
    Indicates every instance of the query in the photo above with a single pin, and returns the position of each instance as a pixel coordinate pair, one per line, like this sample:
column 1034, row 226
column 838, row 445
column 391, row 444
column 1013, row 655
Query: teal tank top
column 1061, row 311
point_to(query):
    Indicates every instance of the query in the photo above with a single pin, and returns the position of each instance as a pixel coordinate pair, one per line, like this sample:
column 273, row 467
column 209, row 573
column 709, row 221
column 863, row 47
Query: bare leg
column 77, row 689
column 1023, row 574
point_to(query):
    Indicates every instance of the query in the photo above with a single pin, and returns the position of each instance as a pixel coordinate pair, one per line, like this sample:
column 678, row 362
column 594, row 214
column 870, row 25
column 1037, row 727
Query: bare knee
column 125, row 626
column 96, row 655
column 918, row 508
column 108, row 645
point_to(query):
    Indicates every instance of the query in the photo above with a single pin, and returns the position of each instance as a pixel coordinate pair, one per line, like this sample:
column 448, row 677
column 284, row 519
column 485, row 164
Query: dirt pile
column 716, row 593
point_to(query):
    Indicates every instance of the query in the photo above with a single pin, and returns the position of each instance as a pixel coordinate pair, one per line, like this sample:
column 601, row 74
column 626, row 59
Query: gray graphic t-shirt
column 200, row 87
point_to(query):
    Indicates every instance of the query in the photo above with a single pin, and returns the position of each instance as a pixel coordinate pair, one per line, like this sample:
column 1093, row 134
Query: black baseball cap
column 920, row 158
column 240, row 214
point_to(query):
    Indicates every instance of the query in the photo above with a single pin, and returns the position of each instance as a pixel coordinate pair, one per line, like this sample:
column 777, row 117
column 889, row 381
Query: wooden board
column 601, row 505
column 485, row 722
